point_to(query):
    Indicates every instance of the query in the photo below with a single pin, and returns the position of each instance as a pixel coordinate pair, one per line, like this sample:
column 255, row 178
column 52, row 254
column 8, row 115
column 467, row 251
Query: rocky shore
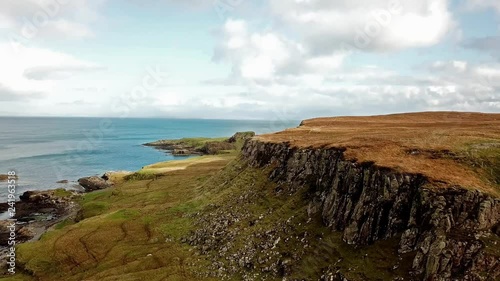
column 36, row 212
column 39, row 211
column 202, row 146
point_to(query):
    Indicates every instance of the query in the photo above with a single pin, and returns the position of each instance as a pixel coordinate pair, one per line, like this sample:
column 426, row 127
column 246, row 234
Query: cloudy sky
column 247, row 59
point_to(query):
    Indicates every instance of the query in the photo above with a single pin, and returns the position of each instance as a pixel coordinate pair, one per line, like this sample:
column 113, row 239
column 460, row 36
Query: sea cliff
column 451, row 232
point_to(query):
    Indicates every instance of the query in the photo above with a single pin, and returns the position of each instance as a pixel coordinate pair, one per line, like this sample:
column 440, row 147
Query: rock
column 241, row 136
column 181, row 152
column 48, row 197
column 23, row 233
column 93, row 183
column 439, row 226
column 35, row 196
column 38, row 207
column 62, row 181
column 496, row 229
column 212, row 148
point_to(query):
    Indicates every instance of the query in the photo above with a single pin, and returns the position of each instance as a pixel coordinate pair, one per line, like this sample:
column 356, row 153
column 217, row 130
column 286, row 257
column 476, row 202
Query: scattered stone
column 94, row 183
column 36, row 211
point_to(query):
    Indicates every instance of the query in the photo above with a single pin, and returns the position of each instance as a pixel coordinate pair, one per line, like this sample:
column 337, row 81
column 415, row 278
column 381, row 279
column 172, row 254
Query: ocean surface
column 43, row 151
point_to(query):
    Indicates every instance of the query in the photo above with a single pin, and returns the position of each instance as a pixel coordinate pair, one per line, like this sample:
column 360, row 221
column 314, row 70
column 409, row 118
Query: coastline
column 40, row 211
column 267, row 210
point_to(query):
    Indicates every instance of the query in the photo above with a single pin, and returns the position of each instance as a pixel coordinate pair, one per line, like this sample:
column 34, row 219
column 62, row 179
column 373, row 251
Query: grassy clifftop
column 452, row 148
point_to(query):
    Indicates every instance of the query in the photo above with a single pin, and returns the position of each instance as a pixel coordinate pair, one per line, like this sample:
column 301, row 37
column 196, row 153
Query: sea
column 43, row 151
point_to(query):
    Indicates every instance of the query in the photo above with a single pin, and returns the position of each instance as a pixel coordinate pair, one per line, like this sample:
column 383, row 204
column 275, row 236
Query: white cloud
column 300, row 63
column 453, row 66
column 368, row 25
column 287, row 64
column 34, row 69
column 444, row 85
column 268, row 55
column 33, row 19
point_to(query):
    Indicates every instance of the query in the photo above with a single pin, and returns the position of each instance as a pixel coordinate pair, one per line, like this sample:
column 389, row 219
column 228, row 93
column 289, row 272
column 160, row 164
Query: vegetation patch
column 203, row 146
column 141, row 175
column 92, row 209
column 128, row 232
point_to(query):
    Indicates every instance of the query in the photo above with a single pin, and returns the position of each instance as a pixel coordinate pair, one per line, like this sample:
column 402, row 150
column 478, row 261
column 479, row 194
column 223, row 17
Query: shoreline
column 39, row 211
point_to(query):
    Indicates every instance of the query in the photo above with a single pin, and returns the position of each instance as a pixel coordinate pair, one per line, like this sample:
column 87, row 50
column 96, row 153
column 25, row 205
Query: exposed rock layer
column 446, row 229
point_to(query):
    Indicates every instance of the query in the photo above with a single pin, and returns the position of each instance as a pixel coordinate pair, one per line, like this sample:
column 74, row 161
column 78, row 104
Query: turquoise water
column 45, row 150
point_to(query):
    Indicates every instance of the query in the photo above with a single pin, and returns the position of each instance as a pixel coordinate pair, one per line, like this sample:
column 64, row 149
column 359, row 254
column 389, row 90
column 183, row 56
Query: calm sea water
column 45, row 150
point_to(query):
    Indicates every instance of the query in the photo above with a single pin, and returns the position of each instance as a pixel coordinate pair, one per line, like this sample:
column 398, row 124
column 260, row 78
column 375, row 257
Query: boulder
column 181, row 152
column 93, row 183
column 241, row 136
column 35, row 196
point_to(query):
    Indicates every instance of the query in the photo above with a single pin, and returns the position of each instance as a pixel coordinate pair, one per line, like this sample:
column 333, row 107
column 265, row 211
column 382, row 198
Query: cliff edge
column 429, row 179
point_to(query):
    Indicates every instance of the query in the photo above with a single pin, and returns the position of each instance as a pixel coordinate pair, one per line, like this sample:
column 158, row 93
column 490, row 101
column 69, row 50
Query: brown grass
column 444, row 146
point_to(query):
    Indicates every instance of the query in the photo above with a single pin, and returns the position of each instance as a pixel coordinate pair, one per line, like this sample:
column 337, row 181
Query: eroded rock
column 94, row 183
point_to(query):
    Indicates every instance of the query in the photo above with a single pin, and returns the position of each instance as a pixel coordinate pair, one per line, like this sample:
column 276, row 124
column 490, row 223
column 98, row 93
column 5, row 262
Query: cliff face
column 451, row 233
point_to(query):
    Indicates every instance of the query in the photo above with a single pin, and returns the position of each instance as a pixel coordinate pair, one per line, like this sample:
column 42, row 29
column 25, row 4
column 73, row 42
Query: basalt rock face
column 445, row 229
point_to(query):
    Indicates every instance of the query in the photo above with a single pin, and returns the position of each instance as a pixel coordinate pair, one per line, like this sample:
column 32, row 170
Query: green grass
column 61, row 192
column 123, row 231
column 141, row 175
column 64, row 223
column 196, row 143
column 134, row 230
column 124, row 214
column 207, row 146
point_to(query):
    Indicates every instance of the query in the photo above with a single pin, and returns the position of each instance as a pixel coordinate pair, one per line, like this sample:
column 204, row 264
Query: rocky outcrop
column 445, row 229
column 36, row 211
column 241, row 136
column 202, row 146
column 94, row 183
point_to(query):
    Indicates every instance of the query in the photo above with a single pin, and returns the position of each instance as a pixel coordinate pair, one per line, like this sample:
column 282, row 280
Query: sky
column 247, row 59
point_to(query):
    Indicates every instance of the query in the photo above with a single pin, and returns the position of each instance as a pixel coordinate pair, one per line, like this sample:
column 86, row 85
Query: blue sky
column 272, row 59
